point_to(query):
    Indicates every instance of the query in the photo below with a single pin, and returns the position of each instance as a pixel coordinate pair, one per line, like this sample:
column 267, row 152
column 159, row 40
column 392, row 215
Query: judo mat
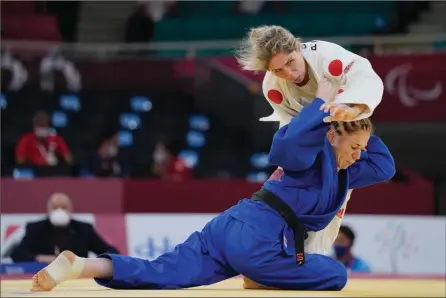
column 356, row 287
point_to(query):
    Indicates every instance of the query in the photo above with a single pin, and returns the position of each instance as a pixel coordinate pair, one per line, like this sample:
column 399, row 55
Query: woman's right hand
column 327, row 90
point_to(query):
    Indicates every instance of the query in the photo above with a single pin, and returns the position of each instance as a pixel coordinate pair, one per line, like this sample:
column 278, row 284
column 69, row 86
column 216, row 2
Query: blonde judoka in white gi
column 290, row 83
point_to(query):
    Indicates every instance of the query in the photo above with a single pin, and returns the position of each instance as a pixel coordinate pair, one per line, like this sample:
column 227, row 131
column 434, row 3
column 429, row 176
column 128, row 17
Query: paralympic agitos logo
column 396, row 84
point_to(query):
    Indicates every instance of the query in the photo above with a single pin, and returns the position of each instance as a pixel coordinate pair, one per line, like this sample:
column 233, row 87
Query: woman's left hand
column 342, row 112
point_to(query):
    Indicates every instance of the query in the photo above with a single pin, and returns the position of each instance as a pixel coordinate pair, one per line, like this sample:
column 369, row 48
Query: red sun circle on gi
column 335, row 68
column 275, row 96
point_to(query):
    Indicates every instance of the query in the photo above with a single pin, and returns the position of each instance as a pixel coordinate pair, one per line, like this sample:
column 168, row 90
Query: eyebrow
column 358, row 145
column 289, row 59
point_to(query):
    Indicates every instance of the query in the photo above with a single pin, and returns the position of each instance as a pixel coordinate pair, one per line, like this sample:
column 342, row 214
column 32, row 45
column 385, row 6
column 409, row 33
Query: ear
column 331, row 135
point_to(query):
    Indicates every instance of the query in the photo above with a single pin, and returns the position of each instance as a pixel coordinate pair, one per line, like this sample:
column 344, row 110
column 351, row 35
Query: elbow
column 379, row 86
column 389, row 170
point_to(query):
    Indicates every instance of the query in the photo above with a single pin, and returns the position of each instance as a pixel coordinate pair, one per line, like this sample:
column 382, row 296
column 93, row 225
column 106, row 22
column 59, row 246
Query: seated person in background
column 108, row 162
column 250, row 7
column 343, row 251
column 46, row 238
column 139, row 26
column 167, row 165
column 43, row 146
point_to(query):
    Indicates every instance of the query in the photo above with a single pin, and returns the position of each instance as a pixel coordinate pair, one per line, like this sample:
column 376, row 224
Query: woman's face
column 289, row 66
column 348, row 147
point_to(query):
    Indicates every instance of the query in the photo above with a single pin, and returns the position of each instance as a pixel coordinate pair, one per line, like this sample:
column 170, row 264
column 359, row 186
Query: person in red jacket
column 167, row 165
column 42, row 147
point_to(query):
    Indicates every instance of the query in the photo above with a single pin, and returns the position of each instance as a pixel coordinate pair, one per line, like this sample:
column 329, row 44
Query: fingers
column 327, row 89
column 325, row 107
column 338, row 112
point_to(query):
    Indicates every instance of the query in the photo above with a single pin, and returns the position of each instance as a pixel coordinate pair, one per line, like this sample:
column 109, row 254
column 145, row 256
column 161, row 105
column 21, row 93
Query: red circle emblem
column 335, row 68
column 275, row 96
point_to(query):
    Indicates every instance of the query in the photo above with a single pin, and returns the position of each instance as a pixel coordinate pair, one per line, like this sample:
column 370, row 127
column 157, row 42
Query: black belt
column 300, row 231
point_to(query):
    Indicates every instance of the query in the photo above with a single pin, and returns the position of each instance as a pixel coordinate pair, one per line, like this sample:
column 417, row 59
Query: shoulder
column 55, row 137
column 272, row 89
column 320, row 45
column 27, row 136
column 180, row 165
column 37, row 225
column 269, row 81
column 360, row 265
column 325, row 49
column 82, row 225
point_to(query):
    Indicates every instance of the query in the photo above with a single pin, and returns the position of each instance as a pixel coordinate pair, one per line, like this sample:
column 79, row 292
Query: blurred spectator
column 167, row 165
column 67, row 16
column 343, row 251
column 108, row 162
column 46, row 238
column 250, row 7
column 139, row 26
column 158, row 9
column 43, row 146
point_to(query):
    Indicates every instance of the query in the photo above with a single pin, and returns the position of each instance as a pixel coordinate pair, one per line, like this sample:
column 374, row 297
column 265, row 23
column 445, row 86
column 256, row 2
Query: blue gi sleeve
column 296, row 145
column 375, row 165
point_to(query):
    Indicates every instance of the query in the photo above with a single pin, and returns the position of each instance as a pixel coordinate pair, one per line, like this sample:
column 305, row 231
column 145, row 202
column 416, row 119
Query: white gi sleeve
column 363, row 85
column 279, row 114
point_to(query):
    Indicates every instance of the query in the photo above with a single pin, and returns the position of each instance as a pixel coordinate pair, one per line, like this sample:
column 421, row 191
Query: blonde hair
column 352, row 127
column 262, row 43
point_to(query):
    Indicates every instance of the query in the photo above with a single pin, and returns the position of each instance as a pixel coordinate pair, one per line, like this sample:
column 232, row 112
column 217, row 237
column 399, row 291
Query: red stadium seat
column 30, row 27
column 17, row 7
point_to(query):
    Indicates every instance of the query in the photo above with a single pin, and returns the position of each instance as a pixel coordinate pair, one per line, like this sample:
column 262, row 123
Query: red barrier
column 89, row 196
column 202, row 196
column 208, row 196
column 415, row 197
column 113, row 228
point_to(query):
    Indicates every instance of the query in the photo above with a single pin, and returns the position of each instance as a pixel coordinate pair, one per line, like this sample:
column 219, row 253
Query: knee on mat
column 340, row 280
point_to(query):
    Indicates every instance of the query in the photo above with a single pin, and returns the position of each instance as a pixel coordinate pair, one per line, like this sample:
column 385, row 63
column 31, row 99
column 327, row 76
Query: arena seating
column 141, row 119
column 20, row 22
column 17, row 7
column 215, row 20
column 30, row 27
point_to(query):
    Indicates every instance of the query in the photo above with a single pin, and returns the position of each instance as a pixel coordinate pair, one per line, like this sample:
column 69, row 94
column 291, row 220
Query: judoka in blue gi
column 259, row 238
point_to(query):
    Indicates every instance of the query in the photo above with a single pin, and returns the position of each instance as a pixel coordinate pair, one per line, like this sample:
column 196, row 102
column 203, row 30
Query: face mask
column 59, row 218
column 41, row 132
column 112, row 151
column 159, row 156
column 341, row 250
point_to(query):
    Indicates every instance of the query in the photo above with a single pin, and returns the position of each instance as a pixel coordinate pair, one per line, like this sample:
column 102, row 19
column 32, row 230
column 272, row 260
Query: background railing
column 377, row 44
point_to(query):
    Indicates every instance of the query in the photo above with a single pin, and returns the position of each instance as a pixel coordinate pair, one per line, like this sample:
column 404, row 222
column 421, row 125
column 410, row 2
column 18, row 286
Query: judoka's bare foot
column 42, row 282
column 252, row 285
column 66, row 266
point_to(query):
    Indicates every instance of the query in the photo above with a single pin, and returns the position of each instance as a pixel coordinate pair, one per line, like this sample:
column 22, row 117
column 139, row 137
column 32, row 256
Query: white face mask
column 41, row 132
column 59, row 218
column 159, row 156
column 112, row 151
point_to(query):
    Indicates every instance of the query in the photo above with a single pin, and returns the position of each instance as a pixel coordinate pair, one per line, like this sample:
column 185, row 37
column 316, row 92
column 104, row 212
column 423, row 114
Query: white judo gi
column 362, row 86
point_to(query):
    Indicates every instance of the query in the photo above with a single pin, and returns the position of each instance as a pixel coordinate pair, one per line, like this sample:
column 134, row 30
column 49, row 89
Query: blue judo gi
column 252, row 239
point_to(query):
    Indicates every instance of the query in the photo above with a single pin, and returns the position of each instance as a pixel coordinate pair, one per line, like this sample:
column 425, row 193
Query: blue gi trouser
column 225, row 248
